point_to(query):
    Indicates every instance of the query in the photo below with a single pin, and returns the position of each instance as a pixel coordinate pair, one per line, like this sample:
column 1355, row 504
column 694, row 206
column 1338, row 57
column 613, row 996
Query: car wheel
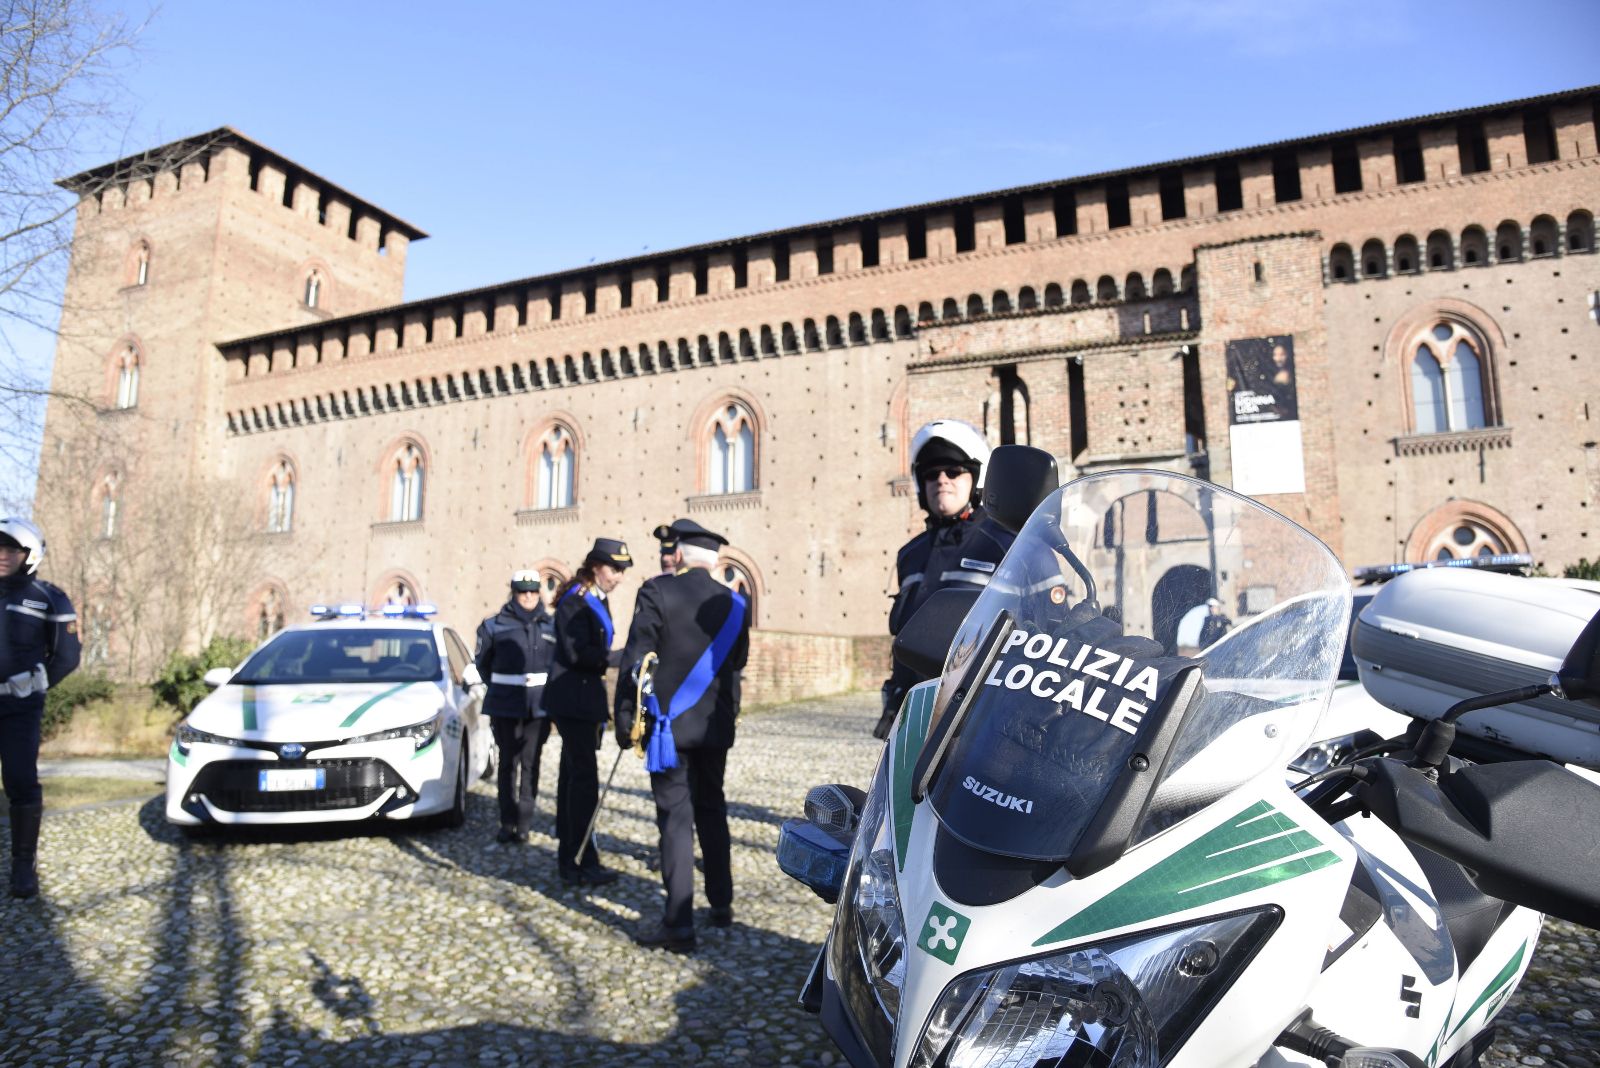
column 456, row 815
column 491, row 767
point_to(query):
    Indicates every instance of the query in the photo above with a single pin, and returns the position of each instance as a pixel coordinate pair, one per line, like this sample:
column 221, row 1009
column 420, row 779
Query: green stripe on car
column 247, row 705
column 361, row 709
column 1258, row 847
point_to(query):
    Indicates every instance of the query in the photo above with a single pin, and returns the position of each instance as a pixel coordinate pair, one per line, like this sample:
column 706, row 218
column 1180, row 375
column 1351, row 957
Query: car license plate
column 293, row 779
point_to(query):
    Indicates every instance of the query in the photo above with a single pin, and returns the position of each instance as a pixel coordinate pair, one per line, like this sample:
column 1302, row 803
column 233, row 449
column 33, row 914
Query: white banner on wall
column 1267, row 458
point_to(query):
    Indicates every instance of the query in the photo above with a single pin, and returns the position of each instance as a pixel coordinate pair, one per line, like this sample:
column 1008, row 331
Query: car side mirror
column 470, row 676
column 1579, row 675
column 924, row 642
column 217, row 676
column 1018, row 480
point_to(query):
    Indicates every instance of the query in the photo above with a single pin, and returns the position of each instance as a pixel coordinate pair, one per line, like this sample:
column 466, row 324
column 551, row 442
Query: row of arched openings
column 1473, row 247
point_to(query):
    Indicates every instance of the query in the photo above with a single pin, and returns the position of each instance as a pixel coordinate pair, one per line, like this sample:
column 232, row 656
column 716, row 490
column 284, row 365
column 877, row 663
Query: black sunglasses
column 931, row 474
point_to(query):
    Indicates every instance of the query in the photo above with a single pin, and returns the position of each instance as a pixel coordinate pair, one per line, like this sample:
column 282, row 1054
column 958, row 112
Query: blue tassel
column 661, row 752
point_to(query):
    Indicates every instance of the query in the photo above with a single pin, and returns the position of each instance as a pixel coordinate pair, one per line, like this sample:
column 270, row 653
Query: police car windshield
column 333, row 654
column 1102, row 597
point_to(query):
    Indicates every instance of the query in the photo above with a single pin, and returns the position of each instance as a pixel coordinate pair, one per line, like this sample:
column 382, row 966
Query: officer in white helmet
column 38, row 648
column 960, row 545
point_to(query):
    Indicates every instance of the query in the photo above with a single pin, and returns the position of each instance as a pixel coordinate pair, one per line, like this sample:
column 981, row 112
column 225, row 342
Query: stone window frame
column 268, row 610
column 315, row 286
column 1434, row 530
column 395, row 580
column 708, row 417
column 1471, row 324
column 105, row 496
column 392, row 462
column 136, row 269
column 534, row 445
column 281, row 472
column 746, row 572
column 124, row 368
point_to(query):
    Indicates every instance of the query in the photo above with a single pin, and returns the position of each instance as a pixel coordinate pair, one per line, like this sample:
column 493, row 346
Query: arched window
column 141, row 264
column 1406, row 257
column 1106, row 288
column 1580, row 232
column 550, row 580
column 1027, row 299
column 1374, row 260
column 732, row 453
column 108, row 506
column 952, row 310
column 1542, row 240
column 1186, row 279
column 925, row 312
column 269, row 614
column 1508, row 242
column 1080, row 291
column 1052, row 295
column 1133, row 286
column 1448, row 379
column 733, row 575
column 280, row 498
column 405, row 485
column 1000, row 301
column 313, row 290
column 1467, row 538
column 1341, row 264
column 128, row 378
column 1441, row 256
column 1474, row 247
column 397, row 591
column 1161, row 283
column 974, row 305
column 557, row 474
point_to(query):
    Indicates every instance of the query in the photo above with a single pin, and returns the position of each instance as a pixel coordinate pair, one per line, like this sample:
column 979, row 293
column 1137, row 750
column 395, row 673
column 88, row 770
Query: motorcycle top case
column 1433, row 637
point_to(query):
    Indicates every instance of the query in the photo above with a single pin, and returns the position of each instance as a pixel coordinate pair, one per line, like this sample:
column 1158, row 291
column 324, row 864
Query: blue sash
column 599, row 607
column 662, row 752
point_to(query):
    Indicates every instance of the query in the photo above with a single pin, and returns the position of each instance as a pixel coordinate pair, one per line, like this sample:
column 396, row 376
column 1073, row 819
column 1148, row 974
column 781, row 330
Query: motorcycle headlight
column 420, row 733
column 868, row 944
column 1129, row 1003
column 187, row 737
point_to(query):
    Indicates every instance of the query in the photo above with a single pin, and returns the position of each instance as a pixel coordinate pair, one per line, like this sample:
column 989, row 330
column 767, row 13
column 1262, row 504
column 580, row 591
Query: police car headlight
column 869, row 937
column 420, row 733
column 1120, row 1004
column 188, row 737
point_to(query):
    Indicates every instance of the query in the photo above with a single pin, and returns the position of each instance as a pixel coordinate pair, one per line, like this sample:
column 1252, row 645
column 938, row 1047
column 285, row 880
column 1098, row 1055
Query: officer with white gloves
column 959, row 547
column 516, row 647
column 38, row 648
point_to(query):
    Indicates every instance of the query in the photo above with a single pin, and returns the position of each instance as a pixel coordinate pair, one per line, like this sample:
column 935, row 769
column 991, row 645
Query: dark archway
column 1180, row 589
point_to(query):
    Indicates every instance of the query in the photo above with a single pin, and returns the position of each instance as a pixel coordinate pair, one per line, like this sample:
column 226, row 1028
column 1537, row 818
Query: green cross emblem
column 942, row 932
column 313, row 699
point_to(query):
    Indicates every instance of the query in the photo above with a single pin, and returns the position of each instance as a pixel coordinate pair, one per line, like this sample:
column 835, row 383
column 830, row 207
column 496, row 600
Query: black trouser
column 20, row 718
column 689, row 802
column 577, row 791
column 519, row 742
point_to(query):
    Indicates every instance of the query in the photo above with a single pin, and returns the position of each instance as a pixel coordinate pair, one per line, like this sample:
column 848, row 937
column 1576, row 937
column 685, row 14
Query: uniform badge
column 72, row 627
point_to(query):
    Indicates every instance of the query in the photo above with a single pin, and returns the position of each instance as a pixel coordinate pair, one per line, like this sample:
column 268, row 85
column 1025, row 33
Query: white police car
column 350, row 717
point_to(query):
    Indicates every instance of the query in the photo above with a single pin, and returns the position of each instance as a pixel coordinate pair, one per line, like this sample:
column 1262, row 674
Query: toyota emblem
column 292, row 751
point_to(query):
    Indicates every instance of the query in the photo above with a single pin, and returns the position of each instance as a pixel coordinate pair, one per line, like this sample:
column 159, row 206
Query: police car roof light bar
column 1512, row 563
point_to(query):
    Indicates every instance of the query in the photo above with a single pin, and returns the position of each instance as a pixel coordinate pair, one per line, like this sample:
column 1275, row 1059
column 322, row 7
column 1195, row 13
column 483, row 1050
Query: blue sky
column 530, row 137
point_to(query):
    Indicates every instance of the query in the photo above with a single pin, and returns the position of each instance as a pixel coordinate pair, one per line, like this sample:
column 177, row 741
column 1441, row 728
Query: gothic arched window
column 313, row 291
column 405, row 485
column 732, row 451
column 734, row 576
column 128, row 378
column 108, row 506
column 557, row 469
column 269, row 614
column 280, row 498
column 1449, row 379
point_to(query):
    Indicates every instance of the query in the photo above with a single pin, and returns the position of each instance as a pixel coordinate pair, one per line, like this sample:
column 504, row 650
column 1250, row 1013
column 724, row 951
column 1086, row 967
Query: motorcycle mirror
column 1019, row 478
column 924, row 641
column 217, row 676
column 1579, row 675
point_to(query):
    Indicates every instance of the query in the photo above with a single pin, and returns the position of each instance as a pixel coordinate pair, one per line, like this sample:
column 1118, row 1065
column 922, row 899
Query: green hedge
column 181, row 683
column 70, row 694
column 1583, row 569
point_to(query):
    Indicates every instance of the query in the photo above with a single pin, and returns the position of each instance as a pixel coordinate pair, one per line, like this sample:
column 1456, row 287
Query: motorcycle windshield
column 1071, row 682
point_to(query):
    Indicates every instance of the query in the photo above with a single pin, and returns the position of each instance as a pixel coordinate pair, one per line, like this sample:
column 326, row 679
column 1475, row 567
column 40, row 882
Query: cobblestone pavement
column 351, row 947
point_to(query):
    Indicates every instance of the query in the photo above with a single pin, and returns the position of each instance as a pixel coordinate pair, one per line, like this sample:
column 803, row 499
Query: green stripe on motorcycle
column 1496, row 984
column 1258, row 847
column 915, row 712
column 361, row 709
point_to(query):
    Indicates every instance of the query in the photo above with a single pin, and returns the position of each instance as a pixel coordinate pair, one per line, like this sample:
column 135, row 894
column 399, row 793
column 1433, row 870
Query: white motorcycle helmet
column 25, row 534
column 950, row 441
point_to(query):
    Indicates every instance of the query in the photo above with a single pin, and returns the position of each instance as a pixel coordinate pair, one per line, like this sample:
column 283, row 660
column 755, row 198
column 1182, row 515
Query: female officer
column 575, row 698
column 515, row 647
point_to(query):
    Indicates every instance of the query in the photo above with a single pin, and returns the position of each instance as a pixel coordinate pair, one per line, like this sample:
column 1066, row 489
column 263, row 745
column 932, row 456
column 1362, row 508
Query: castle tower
column 175, row 249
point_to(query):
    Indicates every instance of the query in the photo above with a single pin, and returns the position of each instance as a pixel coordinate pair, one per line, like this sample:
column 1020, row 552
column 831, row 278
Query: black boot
column 24, row 847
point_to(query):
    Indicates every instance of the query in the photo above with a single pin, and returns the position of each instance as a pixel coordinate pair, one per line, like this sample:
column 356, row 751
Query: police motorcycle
column 1082, row 847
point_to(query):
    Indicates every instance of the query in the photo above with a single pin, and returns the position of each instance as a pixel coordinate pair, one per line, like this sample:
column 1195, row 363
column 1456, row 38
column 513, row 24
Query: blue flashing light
column 393, row 610
column 1512, row 562
column 320, row 610
column 352, row 611
column 423, row 611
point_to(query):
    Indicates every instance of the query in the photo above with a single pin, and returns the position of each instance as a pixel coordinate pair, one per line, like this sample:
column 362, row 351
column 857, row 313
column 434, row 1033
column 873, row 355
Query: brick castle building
column 1387, row 333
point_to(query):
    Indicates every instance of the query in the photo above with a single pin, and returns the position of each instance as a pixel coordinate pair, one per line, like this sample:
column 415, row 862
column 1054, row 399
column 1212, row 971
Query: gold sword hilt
column 644, row 683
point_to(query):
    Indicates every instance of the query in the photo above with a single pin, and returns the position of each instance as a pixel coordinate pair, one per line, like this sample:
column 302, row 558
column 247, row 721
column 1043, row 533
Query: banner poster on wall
column 1264, row 416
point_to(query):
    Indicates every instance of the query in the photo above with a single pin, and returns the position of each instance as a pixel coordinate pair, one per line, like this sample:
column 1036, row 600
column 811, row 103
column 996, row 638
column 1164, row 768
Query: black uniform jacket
column 515, row 642
column 37, row 627
column 677, row 617
column 950, row 553
column 577, row 687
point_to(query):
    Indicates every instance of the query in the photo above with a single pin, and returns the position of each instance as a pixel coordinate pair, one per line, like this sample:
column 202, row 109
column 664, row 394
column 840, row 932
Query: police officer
column 38, row 648
column 668, row 542
column 960, row 545
column 575, row 699
column 699, row 630
column 515, row 648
